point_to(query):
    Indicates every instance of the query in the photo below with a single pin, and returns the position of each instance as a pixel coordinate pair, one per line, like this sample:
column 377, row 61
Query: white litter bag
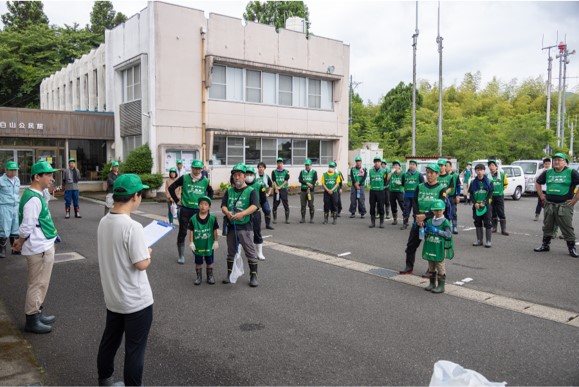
column 447, row 373
column 237, row 268
column 174, row 210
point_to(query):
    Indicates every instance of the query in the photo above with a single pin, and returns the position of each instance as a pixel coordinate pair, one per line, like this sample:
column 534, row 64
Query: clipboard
column 155, row 231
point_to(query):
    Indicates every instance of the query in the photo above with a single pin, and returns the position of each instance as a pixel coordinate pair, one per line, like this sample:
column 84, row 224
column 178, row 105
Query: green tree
column 23, row 14
column 396, row 107
column 104, row 17
column 276, row 12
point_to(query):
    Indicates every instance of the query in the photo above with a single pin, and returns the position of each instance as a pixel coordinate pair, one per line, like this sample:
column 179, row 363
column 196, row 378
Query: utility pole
column 414, row 46
column 439, row 41
column 566, row 61
column 571, row 150
column 549, row 86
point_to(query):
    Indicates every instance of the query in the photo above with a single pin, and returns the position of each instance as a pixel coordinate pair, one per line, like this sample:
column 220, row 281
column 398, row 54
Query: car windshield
column 528, row 168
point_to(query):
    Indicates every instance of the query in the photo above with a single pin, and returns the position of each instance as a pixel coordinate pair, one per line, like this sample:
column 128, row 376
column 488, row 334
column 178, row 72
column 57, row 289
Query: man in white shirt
column 36, row 242
column 123, row 258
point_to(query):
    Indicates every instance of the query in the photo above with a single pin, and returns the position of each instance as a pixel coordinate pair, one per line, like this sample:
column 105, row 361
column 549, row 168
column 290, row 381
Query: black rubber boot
column 546, row 246
column 479, row 237
column 381, row 222
column 404, row 224
column 274, row 217
column 181, row 251
column 253, row 275
column 372, row 221
column 268, row 222
column 489, row 233
column 287, row 217
column 12, row 240
column 495, row 222
column 504, row 227
column 210, row 278
column 442, row 280
column 199, row 278
column 326, row 218
column 432, row 277
column 46, row 320
column 335, row 216
column 572, row 250
column 77, row 212
column 303, row 219
column 3, row 244
column 34, row 325
column 311, row 216
column 229, row 270
column 387, row 212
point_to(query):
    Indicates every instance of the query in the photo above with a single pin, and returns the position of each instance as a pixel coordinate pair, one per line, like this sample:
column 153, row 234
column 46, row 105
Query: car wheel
column 518, row 193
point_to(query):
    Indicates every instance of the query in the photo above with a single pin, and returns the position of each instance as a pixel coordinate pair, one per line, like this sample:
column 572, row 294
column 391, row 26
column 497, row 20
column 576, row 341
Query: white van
column 532, row 169
column 516, row 179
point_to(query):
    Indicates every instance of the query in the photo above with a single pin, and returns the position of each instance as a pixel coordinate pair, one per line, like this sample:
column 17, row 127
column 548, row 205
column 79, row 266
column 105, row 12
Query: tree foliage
column 23, row 14
column 104, row 17
column 276, row 12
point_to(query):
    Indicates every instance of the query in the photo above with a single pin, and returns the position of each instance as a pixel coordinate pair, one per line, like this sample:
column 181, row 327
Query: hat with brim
column 481, row 211
column 239, row 167
column 396, row 162
column 308, row 162
column 560, row 156
column 204, row 199
column 469, row 163
column 42, row 167
column 197, row 164
column 441, row 161
column 279, row 160
column 332, row 164
column 115, row 164
column 72, row 160
column 179, row 161
column 437, row 205
column 413, row 161
column 249, row 169
column 492, row 162
column 11, row 166
column 358, row 158
column 128, row 184
column 433, row 167
column 377, row 158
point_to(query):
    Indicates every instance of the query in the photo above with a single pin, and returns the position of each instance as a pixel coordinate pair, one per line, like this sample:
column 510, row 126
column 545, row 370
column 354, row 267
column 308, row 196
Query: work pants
column 185, row 215
column 330, row 202
column 282, row 199
column 356, row 201
column 558, row 214
column 71, row 195
column 498, row 206
column 377, row 200
column 39, row 273
column 396, row 198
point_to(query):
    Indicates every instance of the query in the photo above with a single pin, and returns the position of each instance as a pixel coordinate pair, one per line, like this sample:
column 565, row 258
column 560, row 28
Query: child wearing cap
column 280, row 177
column 111, row 177
column 203, row 239
column 331, row 182
column 171, row 205
column 481, row 191
column 437, row 246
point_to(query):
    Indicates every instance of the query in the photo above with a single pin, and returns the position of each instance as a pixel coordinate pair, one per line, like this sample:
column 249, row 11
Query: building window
column 327, row 95
column 268, row 150
column 314, row 93
column 235, row 150
column 219, row 150
column 314, row 151
column 326, row 152
column 132, row 83
column 95, row 85
column 299, row 92
column 252, row 150
column 186, row 156
column 299, row 148
column 285, row 90
column 284, row 150
column 253, row 86
column 234, row 84
column 217, row 89
column 269, row 88
column 130, row 143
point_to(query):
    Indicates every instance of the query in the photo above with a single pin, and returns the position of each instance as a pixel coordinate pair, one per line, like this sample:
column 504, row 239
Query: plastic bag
column 237, row 270
column 174, row 209
column 447, row 373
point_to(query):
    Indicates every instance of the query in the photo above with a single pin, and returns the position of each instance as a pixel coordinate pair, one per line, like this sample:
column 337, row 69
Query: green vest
column 356, row 173
column 411, row 181
column 331, row 180
column 203, row 235
column 444, row 180
column 192, row 191
column 480, row 196
column 279, row 177
column 426, row 196
column 436, row 248
column 454, row 179
column 497, row 182
column 307, row 177
column 558, row 183
column 44, row 218
column 376, row 179
column 396, row 183
column 239, row 201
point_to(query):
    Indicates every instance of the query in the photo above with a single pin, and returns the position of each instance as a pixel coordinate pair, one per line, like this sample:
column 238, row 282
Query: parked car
column 532, row 169
column 516, row 178
column 574, row 166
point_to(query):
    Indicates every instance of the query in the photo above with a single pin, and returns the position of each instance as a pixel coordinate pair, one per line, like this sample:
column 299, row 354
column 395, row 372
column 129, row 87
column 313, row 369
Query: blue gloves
column 431, row 229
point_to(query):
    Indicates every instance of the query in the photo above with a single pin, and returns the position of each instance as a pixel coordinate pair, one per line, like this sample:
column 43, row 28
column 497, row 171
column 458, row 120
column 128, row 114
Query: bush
column 153, row 180
column 139, row 161
column 106, row 169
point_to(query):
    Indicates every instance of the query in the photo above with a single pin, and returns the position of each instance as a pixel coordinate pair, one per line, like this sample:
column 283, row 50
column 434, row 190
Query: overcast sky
column 501, row 39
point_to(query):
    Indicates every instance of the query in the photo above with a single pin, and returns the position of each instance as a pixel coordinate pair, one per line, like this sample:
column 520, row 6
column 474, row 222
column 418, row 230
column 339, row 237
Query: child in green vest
column 438, row 245
column 203, row 237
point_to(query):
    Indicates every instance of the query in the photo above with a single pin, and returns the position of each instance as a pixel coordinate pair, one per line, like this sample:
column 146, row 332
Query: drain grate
column 384, row 273
column 66, row 257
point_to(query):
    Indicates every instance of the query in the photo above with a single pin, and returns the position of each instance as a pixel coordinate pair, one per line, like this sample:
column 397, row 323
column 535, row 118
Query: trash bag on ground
column 447, row 373
column 237, row 270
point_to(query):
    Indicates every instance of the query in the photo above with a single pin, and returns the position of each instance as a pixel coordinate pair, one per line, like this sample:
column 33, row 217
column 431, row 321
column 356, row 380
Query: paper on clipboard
column 156, row 230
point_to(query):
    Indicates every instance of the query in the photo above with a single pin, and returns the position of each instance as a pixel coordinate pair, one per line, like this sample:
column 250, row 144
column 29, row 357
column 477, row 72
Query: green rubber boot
column 441, row 282
column 432, row 277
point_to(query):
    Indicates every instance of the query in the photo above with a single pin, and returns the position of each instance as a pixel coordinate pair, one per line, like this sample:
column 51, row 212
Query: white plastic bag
column 237, row 270
column 447, row 373
column 174, row 209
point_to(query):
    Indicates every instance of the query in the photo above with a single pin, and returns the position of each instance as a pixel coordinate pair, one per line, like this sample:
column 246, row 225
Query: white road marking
column 266, row 236
column 469, row 228
column 467, row 279
column 344, row 254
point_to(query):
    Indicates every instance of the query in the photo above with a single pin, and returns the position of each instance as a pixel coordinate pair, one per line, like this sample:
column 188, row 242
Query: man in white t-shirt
column 123, row 258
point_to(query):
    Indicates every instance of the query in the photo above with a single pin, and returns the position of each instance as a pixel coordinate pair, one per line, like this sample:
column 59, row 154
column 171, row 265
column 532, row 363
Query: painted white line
column 266, row 236
column 469, row 228
column 344, row 254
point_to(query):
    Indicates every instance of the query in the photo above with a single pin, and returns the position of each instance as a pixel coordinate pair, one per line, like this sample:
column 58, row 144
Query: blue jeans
column 266, row 209
column 71, row 195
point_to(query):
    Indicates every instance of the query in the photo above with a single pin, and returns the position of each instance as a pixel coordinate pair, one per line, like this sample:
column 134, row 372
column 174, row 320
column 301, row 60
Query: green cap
column 384, row 161
column 204, row 198
column 249, row 169
column 11, row 166
column 492, row 162
column 239, row 167
column 433, row 167
column 279, row 159
column 115, row 164
column 128, row 184
column 560, row 156
column 172, row 169
column 332, row 164
column 308, row 162
column 197, row 164
column 469, row 163
column 358, row 158
column 42, row 167
column 437, row 205
column 413, row 161
column 377, row 158
column 179, row 161
column 441, row 161
column 396, row 162
column 71, row 159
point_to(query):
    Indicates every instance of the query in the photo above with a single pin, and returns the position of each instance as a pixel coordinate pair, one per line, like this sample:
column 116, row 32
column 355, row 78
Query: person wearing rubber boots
column 203, row 240
column 410, row 180
column 238, row 204
column 559, row 200
column 268, row 184
column 539, row 207
column 280, row 177
column 500, row 183
column 308, row 179
column 358, row 175
column 193, row 186
column 438, row 246
column 258, row 186
column 331, row 182
column 70, row 179
column 481, row 191
column 111, row 177
column 467, row 175
column 424, row 194
column 453, row 194
column 396, row 191
column 36, row 238
column 377, row 178
column 386, row 190
column 339, row 199
column 9, row 200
